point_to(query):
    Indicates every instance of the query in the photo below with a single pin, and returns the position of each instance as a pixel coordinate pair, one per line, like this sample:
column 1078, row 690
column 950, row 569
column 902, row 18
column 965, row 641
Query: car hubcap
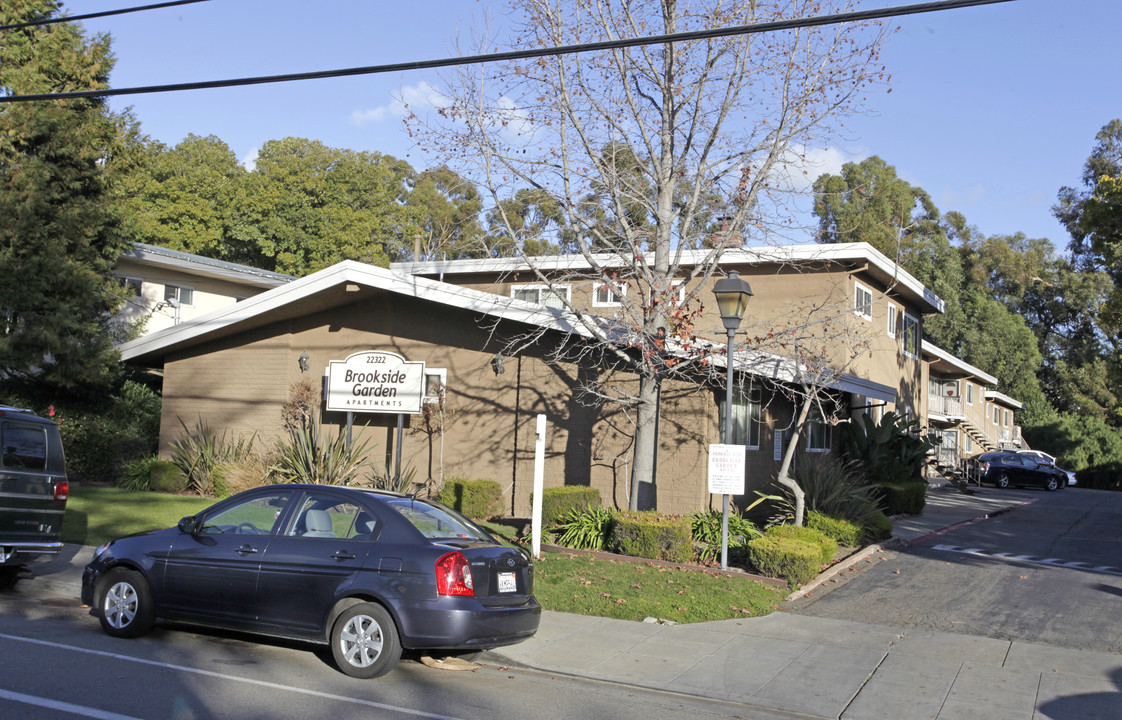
column 361, row 640
column 120, row 605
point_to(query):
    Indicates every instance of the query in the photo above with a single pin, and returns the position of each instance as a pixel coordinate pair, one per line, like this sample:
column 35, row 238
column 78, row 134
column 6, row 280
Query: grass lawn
column 566, row 582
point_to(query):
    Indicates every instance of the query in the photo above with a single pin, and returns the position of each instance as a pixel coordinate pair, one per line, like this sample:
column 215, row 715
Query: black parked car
column 1003, row 469
column 365, row 571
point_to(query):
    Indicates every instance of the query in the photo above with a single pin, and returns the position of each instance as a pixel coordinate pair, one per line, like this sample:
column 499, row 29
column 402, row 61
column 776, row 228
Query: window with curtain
column 747, row 412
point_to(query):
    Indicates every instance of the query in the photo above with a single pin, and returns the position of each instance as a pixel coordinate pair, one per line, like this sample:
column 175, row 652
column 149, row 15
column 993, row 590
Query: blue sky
column 992, row 109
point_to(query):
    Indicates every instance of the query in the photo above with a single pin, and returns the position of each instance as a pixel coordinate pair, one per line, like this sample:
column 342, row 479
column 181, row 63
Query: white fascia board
column 350, row 271
column 836, row 252
column 958, row 363
column 1004, row 399
column 206, row 267
column 784, row 370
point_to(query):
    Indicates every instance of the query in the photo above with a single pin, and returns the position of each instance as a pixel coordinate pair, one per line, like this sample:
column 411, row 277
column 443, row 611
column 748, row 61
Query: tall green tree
column 315, row 205
column 59, row 234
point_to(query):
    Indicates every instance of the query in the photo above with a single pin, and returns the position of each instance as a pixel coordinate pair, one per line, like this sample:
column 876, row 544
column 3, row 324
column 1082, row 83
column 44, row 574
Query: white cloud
column 801, row 166
column 249, row 162
column 410, row 98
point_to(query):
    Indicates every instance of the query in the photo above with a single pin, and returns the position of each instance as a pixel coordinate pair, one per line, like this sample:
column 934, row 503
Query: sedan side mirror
column 187, row 525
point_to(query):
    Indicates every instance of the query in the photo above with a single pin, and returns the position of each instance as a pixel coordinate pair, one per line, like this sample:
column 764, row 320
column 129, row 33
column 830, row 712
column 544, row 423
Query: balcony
column 947, row 406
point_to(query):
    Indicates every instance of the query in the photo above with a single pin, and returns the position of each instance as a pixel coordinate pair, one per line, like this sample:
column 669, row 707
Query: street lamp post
column 732, row 301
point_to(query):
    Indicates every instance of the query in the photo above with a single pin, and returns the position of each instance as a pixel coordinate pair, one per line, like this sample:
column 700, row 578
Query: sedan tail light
column 62, row 491
column 453, row 575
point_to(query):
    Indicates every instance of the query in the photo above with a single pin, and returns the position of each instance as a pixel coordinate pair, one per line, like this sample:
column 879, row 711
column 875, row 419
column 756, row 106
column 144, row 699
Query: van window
column 24, row 447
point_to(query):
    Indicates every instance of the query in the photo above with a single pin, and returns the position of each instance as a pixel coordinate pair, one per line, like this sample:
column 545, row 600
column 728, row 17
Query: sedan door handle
column 343, row 555
column 246, row 550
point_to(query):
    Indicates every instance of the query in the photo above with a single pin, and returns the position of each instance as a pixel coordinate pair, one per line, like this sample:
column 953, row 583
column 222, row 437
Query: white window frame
column 996, row 414
column 541, row 290
column 911, row 322
column 967, row 444
column 441, row 377
column 969, row 393
column 175, row 292
column 863, row 309
column 616, row 291
column 747, row 416
column 1005, row 418
column 893, row 319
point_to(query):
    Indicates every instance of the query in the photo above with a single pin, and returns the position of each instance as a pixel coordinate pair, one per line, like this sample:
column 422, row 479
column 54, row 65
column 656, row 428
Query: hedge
column 652, row 535
column 559, row 502
column 478, row 499
column 793, row 560
column 902, row 498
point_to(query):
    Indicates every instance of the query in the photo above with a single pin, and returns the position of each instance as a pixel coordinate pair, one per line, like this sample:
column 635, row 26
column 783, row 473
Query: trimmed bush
column 478, row 499
column 827, row 548
column 652, row 535
column 902, row 498
column 560, row 502
column 166, row 477
column 838, row 529
column 877, row 528
column 705, row 528
column 793, row 560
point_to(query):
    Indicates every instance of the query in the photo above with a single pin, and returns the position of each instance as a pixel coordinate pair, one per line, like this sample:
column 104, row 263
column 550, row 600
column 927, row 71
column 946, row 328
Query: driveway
column 1049, row 572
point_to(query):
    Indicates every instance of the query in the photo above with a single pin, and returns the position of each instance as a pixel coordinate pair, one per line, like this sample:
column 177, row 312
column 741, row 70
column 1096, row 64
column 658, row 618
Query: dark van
column 33, row 490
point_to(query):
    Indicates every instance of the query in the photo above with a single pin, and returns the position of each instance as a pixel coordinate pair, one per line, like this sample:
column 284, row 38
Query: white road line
column 82, row 710
column 1056, row 562
column 232, row 678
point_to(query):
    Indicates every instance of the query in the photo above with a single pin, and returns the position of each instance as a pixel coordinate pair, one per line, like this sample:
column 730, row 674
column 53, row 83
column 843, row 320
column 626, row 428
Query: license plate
column 507, row 583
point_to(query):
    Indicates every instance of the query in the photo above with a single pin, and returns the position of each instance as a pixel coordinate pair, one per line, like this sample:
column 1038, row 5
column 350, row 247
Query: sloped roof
column 878, row 265
column 154, row 256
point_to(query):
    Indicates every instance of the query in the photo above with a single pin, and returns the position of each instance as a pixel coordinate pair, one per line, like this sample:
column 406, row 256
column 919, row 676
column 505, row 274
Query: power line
column 104, row 13
column 524, row 54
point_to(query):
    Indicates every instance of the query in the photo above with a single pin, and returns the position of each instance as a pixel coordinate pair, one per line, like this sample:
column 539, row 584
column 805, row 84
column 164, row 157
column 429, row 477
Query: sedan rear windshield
column 437, row 522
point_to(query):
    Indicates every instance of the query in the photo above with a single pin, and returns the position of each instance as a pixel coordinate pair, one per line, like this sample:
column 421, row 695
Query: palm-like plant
column 307, row 457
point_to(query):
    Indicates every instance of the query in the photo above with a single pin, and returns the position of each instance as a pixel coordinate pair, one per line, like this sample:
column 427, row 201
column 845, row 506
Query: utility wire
column 104, row 13
column 524, row 54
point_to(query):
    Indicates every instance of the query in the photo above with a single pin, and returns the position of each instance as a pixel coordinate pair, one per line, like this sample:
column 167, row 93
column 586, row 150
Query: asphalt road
column 56, row 664
column 1047, row 572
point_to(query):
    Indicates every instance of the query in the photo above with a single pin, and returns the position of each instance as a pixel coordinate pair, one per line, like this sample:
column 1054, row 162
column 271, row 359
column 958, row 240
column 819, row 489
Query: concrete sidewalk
column 812, row 667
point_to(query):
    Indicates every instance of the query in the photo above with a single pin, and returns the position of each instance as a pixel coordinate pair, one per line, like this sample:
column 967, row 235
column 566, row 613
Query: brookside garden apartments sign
column 375, row 382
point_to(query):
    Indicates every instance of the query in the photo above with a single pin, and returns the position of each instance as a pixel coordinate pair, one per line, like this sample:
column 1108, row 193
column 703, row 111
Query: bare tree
column 636, row 155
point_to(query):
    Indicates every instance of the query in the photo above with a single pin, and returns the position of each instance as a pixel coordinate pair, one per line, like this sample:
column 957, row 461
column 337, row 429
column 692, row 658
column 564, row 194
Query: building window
column 819, row 433
column 1005, row 418
column 863, row 301
column 968, row 444
column 747, row 413
column 435, row 384
column 969, row 394
column 554, row 297
column 184, row 295
column 996, row 415
column 608, row 294
column 893, row 319
column 911, row 336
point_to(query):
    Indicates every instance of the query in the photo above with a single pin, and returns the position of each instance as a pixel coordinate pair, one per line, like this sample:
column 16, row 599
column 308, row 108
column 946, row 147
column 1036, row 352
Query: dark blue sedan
column 365, row 571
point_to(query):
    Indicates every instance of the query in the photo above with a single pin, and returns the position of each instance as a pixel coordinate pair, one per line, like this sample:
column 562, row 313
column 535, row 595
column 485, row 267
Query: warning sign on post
column 726, row 469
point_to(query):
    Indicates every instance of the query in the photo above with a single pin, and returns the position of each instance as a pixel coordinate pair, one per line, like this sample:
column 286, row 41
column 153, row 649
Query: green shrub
column 200, row 452
column 842, row 531
column 307, row 457
column 559, row 502
column 877, row 528
column 835, row 489
column 827, row 548
column 165, row 476
column 652, row 535
column 890, row 451
column 586, row 529
column 478, row 499
column 902, row 498
column 705, row 529
column 795, row 561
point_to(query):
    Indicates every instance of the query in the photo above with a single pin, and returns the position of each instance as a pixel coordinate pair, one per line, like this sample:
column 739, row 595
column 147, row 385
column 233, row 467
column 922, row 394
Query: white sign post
column 726, row 477
column 375, row 382
column 539, row 489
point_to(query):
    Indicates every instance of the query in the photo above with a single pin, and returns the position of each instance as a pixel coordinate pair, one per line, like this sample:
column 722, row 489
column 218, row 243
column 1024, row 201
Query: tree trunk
column 646, row 445
column 784, row 477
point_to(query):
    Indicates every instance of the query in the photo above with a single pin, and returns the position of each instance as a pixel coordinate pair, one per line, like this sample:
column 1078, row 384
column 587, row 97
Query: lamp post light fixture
column 732, row 300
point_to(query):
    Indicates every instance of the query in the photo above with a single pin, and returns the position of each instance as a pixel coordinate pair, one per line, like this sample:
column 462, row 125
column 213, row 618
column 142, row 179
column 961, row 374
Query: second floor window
column 608, row 294
column 542, row 294
column 893, row 319
column 863, row 302
column 185, row 295
column 911, row 336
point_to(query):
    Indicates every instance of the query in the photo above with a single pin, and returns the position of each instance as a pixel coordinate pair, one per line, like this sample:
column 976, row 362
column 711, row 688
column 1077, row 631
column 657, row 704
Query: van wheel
column 125, row 604
column 364, row 641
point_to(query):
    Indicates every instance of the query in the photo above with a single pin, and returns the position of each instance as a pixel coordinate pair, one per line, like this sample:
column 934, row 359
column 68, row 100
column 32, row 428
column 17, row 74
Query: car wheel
column 1002, row 481
column 1053, row 483
column 364, row 641
column 125, row 604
